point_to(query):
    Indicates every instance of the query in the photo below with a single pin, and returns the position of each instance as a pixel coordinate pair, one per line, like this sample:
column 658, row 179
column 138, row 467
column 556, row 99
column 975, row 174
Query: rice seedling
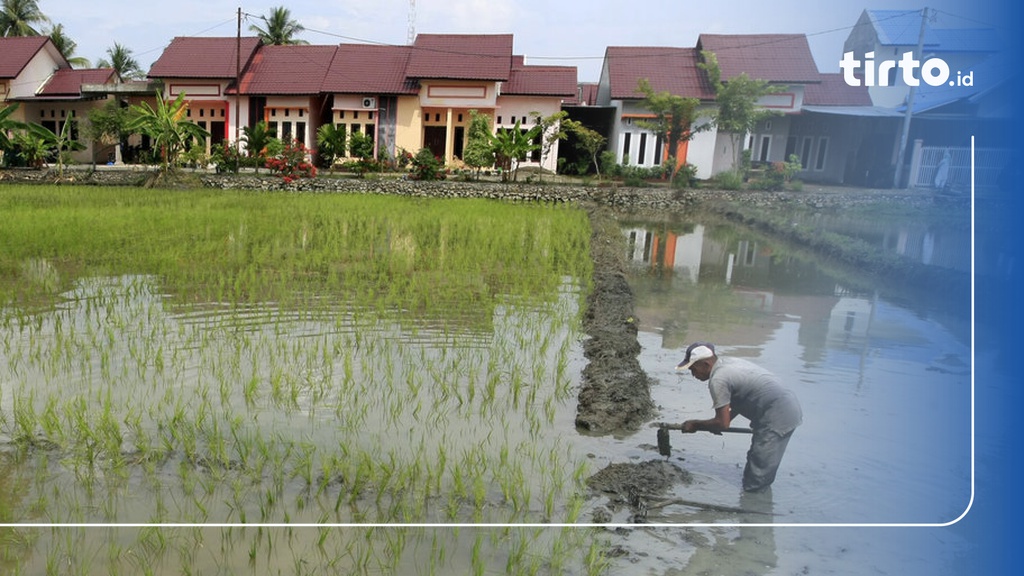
column 266, row 357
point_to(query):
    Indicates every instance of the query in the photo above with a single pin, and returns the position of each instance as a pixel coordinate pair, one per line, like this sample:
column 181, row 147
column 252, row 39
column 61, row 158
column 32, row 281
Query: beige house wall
column 409, row 128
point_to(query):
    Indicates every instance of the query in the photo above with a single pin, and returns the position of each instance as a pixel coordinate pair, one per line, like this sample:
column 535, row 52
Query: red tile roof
column 542, row 81
column 672, row 70
column 67, row 82
column 17, row 52
column 369, row 69
column 202, row 57
column 773, row 57
column 461, row 57
column 586, row 94
column 834, row 91
column 297, row 69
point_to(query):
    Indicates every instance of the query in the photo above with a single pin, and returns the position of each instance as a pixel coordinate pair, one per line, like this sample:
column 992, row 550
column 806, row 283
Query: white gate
column 989, row 166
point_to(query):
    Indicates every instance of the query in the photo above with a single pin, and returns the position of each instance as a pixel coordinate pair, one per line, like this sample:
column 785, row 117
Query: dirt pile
column 616, row 392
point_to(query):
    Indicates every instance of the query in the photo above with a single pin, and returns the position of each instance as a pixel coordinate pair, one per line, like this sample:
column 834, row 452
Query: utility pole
column 238, row 84
column 905, row 131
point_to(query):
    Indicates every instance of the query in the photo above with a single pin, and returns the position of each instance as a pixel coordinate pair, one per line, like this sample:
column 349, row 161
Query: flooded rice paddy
column 883, row 372
column 196, row 383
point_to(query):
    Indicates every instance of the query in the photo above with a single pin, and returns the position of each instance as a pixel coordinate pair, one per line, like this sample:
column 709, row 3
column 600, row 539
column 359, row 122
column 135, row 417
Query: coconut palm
column 17, row 18
column 67, row 46
column 126, row 67
column 280, row 28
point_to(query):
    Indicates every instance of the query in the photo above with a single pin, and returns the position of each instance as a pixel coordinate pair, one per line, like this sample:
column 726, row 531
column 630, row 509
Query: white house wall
column 702, row 151
column 33, row 76
column 525, row 110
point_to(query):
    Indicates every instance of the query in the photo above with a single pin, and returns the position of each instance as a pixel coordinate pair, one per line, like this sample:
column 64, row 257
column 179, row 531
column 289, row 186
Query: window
column 766, row 146
column 805, row 153
column 625, row 147
column 642, row 153
column 819, row 160
column 658, row 151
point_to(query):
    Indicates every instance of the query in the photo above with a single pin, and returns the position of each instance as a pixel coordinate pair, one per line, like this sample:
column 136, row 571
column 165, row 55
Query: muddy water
column 883, row 374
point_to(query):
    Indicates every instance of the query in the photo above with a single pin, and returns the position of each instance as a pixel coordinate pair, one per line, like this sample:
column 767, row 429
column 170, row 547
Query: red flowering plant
column 292, row 163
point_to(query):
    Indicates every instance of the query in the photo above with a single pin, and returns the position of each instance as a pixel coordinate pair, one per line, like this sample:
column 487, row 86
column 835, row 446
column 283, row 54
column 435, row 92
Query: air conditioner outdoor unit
column 369, row 102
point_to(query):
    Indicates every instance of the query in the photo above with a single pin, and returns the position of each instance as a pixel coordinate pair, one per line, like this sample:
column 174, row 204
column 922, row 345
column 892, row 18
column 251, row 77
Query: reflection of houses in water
column 699, row 281
column 711, row 284
column 850, row 320
column 951, row 251
column 668, row 251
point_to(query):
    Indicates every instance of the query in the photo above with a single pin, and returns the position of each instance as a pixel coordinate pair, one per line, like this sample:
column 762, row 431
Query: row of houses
column 421, row 95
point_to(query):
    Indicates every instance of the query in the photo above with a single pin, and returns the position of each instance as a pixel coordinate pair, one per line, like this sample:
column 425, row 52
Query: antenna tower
column 411, row 36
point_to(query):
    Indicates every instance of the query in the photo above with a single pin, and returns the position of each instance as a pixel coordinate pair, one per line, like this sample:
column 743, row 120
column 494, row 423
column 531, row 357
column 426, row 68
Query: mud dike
column 616, row 392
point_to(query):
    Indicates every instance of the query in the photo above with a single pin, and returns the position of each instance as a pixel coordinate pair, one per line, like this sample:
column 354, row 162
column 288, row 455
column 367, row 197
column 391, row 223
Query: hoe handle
column 667, row 426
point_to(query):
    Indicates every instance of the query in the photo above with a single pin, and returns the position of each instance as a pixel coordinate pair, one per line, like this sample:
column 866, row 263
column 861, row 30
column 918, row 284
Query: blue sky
column 571, row 32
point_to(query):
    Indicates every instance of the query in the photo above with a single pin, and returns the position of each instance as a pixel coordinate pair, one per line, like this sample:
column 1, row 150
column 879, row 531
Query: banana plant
column 513, row 145
column 7, row 126
column 167, row 125
column 52, row 142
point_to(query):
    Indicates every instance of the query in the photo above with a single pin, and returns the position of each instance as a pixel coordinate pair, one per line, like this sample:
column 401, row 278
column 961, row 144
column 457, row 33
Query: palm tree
column 67, row 46
column 280, row 29
column 17, row 18
column 126, row 67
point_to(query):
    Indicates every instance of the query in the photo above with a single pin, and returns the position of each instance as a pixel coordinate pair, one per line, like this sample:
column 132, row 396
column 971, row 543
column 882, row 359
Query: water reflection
column 875, row 363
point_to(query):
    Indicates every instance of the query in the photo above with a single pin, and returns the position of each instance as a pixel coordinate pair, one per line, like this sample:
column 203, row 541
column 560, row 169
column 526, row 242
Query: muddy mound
column 644, row 479
column 616, row 392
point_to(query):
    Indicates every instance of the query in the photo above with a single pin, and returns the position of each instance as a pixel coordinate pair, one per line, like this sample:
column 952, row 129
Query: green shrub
column 729, row 180
column 426, row 166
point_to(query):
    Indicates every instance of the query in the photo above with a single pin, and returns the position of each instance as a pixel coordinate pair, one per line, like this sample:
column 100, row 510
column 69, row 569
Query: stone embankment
column 603, row 194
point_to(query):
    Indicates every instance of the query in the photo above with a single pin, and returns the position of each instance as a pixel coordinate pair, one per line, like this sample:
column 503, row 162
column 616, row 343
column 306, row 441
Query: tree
column 167, row 126
column 256, row 139
column 17, row 18
column 588, row 141
column 67, row 46
column 551, row 131
column 673, row 121
column 7, row 125
column 330, row 144
column 360, row 145
column 121, row 60
column 58, row 144
column 738, row 112
column 280, row 28
column 109, row 125
column 479, row 150
column 512, row 145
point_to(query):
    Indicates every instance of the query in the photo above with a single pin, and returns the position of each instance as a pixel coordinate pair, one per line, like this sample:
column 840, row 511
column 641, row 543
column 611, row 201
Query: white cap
column 695, row 353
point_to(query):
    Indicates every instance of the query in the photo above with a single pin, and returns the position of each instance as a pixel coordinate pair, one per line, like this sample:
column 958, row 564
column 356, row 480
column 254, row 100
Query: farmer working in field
column 741, row 388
